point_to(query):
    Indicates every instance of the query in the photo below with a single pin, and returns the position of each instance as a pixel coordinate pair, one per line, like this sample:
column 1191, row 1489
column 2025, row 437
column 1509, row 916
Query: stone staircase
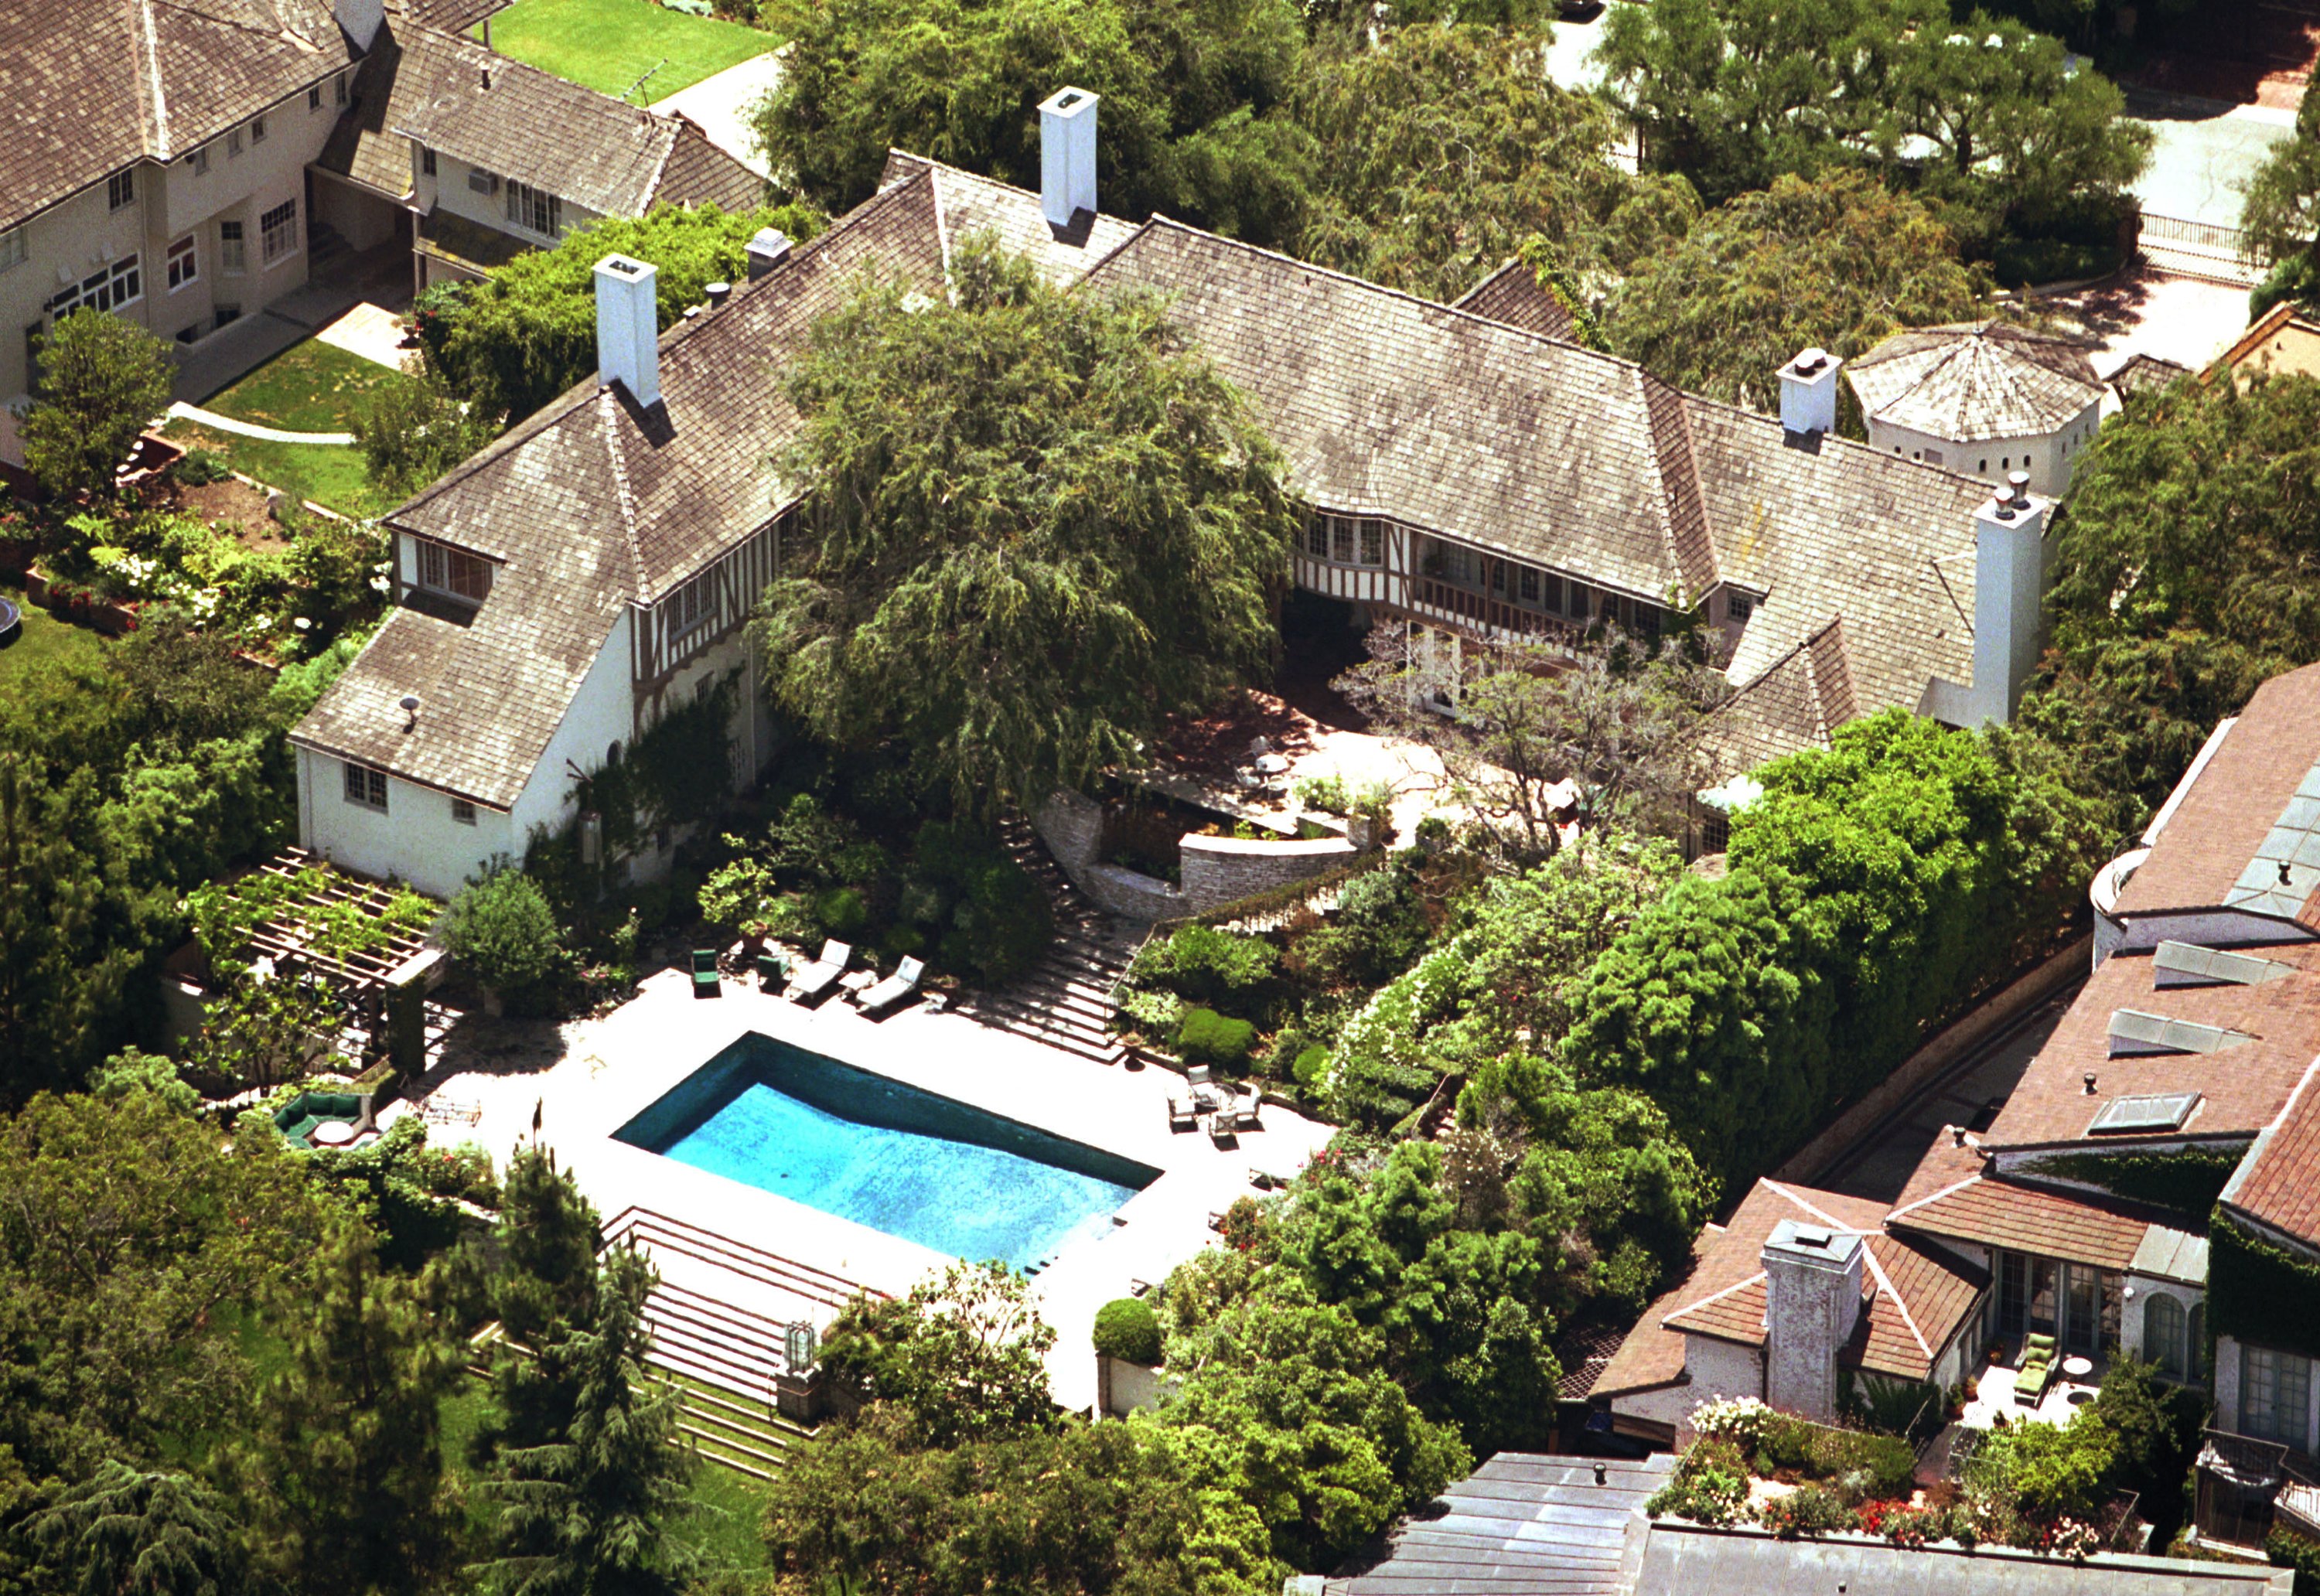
column 325, row 248
column 721, row 1356
column 1066, row 1000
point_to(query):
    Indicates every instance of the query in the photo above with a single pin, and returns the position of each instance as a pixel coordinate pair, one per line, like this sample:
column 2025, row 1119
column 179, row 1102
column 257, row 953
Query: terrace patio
column 1997, row 1401
column 608, row 1070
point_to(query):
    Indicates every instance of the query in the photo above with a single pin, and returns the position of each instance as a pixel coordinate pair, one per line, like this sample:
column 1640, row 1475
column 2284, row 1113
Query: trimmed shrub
column 201, row 467
column 1809, row 1509
column 1127, row 1329
column 1206, row 1036
column 502, row 930
column 1202, row 965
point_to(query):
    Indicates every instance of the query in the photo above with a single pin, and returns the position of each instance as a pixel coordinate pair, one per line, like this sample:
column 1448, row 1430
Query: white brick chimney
column 628, row 327
column 2009, row 586
column 1808, row 394
column 1812, row 1301
column 1067, row 155
column 359, row 20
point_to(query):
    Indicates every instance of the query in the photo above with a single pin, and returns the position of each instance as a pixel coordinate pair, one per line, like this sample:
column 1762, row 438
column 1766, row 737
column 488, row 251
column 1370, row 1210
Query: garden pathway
column 226, row 424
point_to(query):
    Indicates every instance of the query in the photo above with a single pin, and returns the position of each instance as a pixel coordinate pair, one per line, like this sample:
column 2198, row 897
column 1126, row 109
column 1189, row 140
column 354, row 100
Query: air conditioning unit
column 483, row 182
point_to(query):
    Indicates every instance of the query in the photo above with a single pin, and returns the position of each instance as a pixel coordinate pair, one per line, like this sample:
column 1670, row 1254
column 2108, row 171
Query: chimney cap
column 1810, row 362
column 719, row 293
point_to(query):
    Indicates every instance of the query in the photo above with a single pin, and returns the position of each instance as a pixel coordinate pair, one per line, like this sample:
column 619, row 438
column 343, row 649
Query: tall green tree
column 2180, row 580
column 542, row 1282
column 416, row 429
column 102, row 381
column 526, row 333
column 1835, row 263
column 2280, row 209
column 961, row 1355
column 1041, row 524
column 129, row 1532
column 347, row 1462
column 587, row 1512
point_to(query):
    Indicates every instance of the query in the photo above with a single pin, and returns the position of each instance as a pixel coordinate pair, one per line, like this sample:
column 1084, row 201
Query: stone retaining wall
column 1223, row 869
column 1216, row 870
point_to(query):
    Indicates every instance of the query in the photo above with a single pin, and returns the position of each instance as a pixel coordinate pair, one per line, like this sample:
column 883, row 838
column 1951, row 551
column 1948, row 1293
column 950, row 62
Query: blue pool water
column 909, row 1163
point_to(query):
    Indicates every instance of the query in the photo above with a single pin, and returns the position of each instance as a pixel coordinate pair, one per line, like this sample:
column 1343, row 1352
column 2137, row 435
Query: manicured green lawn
column 329, row 474
column 308, row 387
column 609, row 44
column 43, row 637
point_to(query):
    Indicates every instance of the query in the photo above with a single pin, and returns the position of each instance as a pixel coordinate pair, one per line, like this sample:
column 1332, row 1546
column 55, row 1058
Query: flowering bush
column 1809, row 1509
column 2074, row 1538
column 1704, row 1496
column 1741, row 1420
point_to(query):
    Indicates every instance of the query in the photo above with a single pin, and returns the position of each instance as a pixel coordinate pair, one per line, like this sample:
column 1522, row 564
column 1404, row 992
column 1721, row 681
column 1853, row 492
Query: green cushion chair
column 704, row 972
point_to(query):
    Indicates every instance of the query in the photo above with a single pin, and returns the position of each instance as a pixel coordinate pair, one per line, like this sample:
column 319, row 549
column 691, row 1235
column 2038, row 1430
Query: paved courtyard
column 721, row 107
column 584, row 1081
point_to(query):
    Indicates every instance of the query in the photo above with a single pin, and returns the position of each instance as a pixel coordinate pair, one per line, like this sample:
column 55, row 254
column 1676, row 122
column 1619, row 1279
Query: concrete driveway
column 720, row 106
column 2204, row 151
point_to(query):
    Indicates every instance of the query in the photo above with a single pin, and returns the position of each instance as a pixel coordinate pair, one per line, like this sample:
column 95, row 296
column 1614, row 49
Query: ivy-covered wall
column 2187, row 1181
column 2260, row 1292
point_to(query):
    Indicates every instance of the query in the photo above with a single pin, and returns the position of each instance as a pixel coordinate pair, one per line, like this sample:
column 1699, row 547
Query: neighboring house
column 493, row 158
column 1525, row 1523
column 1986, row 398
column 155, row 159
column 2282, row 341
column 1465, row 478
column 179, row 164
column 2089, row 1207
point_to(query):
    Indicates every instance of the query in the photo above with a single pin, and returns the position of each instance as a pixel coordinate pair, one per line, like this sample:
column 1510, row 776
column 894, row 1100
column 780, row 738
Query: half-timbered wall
column 708, row 607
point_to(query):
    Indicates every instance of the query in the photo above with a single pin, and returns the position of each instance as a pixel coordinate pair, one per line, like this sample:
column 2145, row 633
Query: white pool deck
column 612, row 1069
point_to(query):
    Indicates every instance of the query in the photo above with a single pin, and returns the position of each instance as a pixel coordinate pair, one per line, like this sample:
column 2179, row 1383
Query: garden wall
column 1216, row 870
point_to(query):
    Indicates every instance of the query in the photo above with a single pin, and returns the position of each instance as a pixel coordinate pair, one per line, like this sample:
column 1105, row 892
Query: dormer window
column 454, row 572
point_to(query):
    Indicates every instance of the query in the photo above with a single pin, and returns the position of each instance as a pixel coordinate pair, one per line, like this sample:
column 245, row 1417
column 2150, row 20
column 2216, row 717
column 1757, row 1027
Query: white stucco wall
column 416, row 840
column 602, row 712
column 2131, row 1312
column 448, row 190
column 2048, row 457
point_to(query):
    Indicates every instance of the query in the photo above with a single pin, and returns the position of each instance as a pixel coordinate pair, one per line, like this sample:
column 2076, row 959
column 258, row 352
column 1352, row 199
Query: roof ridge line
column 1717, row 1296
column 608, row 406
column 160, row 98
column 1819, row 1212
column 1934, row 1196
column 578, row 397
column 1900, row 1304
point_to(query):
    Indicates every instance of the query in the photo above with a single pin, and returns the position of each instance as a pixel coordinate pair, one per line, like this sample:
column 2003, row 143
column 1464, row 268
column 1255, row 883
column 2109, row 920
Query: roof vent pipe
column 767, row 250
column 1808, row 394
column 1067, row 156
column 719, row 293
column 628, row 327
column 2019, row 481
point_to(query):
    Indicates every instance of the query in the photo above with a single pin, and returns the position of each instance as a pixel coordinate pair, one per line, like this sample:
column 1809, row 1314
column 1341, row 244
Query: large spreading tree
column 1040, row 525
column 102, row 381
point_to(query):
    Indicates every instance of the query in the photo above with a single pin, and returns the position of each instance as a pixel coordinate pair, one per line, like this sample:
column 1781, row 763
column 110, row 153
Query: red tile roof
column 2027, row 1219
column 2240, row 1089
column 2279, row 1183
column 2229, row 811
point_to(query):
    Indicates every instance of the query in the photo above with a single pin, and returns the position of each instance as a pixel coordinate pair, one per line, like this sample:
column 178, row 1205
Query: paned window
column 427, row 162
column 233, row 254
column 463, row 811
column 314, row 98
column 2163, row 1324
column 1317, row 535
column 121, row 189
column 12, row 248
column 1738, row 607
column 202, row 161
column 2275, row 1396
column 278, row 232
column 1341, row 540
column 338, row 89
column 367, row 786
column 691, row 605
column 1372, row 543
column 185, row 266
column 1551, row 594
column 257, row 130
column 232, row 143
column 1529, row 589
column 1458, row 565
column 107, row 288
column 534, row 211
column 454, row 571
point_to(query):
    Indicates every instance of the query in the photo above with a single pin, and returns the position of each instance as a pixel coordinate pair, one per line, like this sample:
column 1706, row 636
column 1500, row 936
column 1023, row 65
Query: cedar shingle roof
column 1975, row 379
column 1794, row 704
column 2239, row 1090
column 593, row 505
column 1514, row 295
column 452, row 16
column 2264, row 763
column 90, row 86
column 592, row 150
column 1917, row 1295
column 2027, row 1219
column 971, row 204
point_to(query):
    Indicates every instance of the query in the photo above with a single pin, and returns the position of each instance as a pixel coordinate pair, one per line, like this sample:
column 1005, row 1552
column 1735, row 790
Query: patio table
column 2077, row 1368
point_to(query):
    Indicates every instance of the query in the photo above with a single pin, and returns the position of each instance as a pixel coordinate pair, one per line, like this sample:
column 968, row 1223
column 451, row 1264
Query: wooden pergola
column 289, row 938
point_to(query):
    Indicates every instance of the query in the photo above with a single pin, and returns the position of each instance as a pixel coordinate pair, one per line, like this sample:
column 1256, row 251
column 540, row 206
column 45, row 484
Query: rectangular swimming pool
column 910, row 1162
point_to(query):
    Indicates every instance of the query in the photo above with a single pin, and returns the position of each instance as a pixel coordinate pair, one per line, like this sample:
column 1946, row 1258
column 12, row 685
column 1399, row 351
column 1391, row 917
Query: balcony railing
column 1483, row 610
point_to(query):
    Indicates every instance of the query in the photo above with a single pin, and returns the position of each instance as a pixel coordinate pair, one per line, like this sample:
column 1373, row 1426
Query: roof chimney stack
column 2009, row 584
column 359, row 20
column 1812, row 1300
column 1067, row 155
column 1808, row 394
column 628, row 327
column 767, row 250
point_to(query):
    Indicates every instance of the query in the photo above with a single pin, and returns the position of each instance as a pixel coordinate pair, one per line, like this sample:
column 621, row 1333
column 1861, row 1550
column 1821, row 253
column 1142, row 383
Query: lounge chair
column 1182, row 1113
column 818, row 979
column 1203, row 1085
column 1220, row 1127
column 1244, row 1111
column 894, row 989
column 772, row 971
column 704, row 972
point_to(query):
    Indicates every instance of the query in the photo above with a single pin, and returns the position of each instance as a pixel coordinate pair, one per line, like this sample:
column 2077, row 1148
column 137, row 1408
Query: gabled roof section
column 2261, row 779
column 1973, row 380
column 95, row 86
column 483, row 108
column 1793, row 705
column 1514, row 295
column 2279, row 1183
column 971, row 203
column 593, row 505
column 1989, row 1212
